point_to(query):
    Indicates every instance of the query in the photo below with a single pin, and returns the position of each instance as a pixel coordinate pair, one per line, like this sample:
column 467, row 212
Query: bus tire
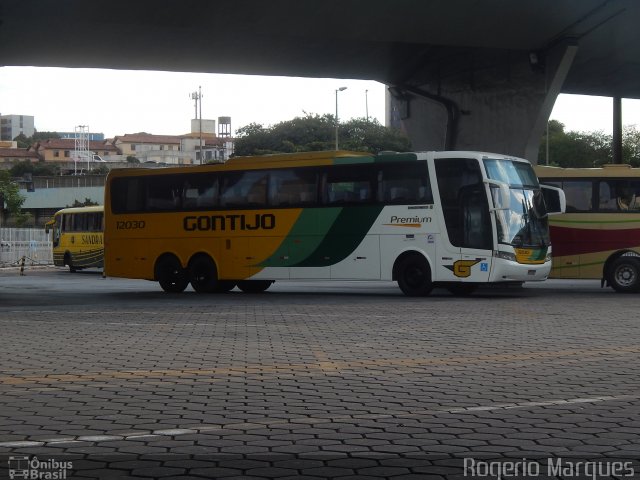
column 170, row 274
column 69, row 262
column 254, row 286
column 624, row 274
column 203, row 274
column 414, row 275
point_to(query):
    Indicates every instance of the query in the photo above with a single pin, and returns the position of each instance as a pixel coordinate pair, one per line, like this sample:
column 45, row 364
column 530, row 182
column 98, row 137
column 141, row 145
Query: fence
column 31, row 243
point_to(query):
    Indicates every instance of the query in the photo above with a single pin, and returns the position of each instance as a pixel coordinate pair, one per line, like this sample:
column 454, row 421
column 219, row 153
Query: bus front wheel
column 254, row 286
column 69, row 262
column 624, row 274
column 414, row 275
column 170, row 274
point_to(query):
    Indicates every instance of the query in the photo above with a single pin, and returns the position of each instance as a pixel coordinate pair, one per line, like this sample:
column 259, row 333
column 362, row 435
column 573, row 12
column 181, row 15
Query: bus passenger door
column 476, row 250
column 466, row 256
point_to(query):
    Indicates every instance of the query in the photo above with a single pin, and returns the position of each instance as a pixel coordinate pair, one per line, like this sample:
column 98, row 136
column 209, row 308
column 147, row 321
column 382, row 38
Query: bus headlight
column 505, row 255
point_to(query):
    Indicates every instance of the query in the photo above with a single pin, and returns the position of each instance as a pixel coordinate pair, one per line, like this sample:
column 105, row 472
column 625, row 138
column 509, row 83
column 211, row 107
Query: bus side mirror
column 500, row 194
column 555, row 199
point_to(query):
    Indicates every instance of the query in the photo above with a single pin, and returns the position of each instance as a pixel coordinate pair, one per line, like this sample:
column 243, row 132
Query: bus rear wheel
column 254, row 286
column 624, row 274
column 203, row 275
column 170, row 274
column 414, row 275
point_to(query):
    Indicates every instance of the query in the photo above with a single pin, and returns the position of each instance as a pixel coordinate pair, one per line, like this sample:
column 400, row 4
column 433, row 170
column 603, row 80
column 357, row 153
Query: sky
column 116, row 102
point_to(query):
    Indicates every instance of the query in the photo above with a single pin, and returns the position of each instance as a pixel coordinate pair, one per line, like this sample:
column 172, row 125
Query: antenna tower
column 81, row 150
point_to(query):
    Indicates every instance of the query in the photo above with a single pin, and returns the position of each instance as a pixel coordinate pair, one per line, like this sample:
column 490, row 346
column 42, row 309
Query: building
column 10, row 156
column 13, row 125
column 99, row 137
column 153, row 148
column 61, row 149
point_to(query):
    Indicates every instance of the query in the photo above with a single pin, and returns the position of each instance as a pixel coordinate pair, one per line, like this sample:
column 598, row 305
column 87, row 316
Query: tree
column 35, row 168
column 317, row 132
column 631, row 145
column 11, row 198
column 87, row 203
column 25, row 142
column 100, row 170
column 587, row 149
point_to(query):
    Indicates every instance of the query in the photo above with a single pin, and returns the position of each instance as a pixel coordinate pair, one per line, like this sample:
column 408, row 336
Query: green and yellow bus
column 77, row 237
column 599, row 235
column 426, row 219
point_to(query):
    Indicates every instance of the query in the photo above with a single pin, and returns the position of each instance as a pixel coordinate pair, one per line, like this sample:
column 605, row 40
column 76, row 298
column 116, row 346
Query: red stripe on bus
column 576, row 241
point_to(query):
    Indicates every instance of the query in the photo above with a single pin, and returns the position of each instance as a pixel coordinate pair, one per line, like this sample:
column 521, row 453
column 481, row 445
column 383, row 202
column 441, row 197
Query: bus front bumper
column 511, row 271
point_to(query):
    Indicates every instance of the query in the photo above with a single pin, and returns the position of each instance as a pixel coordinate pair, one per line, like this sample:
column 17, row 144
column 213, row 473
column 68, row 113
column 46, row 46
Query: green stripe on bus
column 344, row 236
column 304, row 238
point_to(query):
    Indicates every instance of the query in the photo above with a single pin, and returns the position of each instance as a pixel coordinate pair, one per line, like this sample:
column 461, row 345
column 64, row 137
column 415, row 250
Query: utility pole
column 197, row 97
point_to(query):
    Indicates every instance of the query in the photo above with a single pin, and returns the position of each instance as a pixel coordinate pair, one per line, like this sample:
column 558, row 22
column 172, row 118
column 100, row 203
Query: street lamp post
column 366, row 103
column 341, row 89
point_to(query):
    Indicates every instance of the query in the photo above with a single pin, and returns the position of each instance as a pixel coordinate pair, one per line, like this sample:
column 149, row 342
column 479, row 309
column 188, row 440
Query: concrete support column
column 617, row 130
column 498, row 101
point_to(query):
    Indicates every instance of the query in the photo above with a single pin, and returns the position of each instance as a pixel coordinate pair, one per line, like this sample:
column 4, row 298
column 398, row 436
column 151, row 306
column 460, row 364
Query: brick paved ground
column 125, row 381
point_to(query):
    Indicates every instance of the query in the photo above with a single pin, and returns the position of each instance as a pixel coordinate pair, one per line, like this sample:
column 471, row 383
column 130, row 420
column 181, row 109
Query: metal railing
column 31, row 243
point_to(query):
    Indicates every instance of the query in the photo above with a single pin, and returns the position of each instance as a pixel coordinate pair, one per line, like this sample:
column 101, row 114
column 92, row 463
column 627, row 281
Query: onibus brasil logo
column 35, row 469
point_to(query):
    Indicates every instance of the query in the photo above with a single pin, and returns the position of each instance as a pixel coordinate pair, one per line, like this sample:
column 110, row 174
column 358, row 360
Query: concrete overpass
column 463, row 74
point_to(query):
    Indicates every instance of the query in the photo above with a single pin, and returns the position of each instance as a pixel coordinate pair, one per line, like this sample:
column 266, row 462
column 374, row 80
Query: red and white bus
column 599, row 235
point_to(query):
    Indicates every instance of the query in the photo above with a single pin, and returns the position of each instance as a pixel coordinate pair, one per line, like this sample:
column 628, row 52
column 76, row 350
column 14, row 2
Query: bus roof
column 305, row 159
column 606, row 171
column 89, row 209
column 282, row 160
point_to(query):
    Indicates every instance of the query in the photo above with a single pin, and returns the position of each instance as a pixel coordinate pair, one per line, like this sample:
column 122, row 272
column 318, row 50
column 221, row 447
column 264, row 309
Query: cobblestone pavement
column 108, row 378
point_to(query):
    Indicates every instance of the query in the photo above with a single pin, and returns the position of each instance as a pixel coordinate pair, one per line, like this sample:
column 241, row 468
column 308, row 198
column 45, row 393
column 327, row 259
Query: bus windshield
column 525, row 223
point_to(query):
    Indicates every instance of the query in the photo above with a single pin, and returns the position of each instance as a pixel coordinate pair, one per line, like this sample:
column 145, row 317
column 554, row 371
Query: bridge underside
column 463, row 74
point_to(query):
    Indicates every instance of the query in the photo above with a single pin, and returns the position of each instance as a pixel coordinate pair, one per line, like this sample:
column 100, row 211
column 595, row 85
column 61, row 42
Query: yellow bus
column 599, row 235
column 428, row 219
column 77, row 237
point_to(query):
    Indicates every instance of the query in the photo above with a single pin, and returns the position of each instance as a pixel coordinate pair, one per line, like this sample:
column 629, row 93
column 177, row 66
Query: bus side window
column 67, row 223
column 579, row 195
column 348, row 185
column 624, row 195
column 405, row 183
column 200, row 192
column 56, row 231
column 607, row 199
column 164, row 193
column 293, row 187
column 243, row 189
